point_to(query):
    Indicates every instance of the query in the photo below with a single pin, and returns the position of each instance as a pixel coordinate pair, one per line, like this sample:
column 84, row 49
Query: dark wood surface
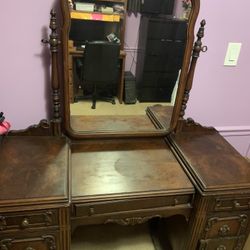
column 126, row 167
column 55, row 83
column 222, row 179
column 215, row 164
column 194, row 173
column 186, row 71
column 33, row 168
column 85, row 123
column 160, row 116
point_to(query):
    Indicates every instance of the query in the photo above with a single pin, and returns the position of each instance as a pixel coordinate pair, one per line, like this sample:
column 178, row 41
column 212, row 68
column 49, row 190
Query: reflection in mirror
column 123, row 76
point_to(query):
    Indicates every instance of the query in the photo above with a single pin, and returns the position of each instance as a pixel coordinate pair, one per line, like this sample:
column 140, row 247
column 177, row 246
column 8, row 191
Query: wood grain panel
column 126, row 167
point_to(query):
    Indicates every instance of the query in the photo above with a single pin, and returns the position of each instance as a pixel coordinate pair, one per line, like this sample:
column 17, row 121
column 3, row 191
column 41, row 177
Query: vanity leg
column 64, row 222
column 197, row 222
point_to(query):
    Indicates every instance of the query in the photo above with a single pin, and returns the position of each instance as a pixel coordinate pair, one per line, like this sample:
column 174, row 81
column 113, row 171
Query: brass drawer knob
column 30, row 248
column 3, row 223
column 25, row 223
column 224, row 230
column 221, row 247
column 236, row 204
column 91, row 211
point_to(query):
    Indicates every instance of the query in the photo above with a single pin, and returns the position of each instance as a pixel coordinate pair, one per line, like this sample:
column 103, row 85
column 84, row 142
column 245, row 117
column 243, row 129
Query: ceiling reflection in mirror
column 123, row 64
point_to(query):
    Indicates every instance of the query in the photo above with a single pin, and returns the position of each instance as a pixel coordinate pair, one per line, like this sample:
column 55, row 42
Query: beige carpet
column 106, row 108
column 112, row 237
column 247, row 246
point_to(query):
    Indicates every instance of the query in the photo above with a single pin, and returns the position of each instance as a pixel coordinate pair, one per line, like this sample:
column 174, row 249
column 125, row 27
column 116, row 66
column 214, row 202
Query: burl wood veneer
column 220, row 218
column 129, row 181
column 34, row 196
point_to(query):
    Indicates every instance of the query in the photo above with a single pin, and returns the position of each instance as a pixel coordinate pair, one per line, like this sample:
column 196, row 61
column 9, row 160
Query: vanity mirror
column 112, row 88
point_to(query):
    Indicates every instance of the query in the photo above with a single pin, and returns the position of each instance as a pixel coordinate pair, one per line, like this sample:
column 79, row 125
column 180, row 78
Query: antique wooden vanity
column 185, row 181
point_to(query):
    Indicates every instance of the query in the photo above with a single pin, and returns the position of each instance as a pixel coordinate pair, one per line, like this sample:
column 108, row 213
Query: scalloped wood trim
column 41, row 129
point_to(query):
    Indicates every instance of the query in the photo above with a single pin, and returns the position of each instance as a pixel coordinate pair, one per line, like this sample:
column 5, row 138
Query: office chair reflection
column 99, row 75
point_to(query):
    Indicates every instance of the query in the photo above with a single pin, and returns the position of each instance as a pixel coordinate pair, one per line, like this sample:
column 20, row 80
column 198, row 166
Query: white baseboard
column 238, row 136
column 234, row 130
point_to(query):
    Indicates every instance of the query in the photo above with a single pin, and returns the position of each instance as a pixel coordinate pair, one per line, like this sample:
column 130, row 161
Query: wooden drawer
column 233, row 243
column 226, row 226
column 24, row 220
column 97, row 208
column 229, row 204
column 44, row 242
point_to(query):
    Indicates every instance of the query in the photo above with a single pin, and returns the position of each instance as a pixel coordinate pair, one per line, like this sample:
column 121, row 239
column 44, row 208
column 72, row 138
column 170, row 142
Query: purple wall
column 24, row 75
column 131, row 41
column 220, row 95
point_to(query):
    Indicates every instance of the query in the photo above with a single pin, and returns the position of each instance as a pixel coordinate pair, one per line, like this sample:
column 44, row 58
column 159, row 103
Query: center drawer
column 112, row 206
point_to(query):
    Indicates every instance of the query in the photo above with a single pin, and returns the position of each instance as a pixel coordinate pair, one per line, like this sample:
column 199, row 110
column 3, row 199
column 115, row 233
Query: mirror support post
column 196, row 53
column 54, row 42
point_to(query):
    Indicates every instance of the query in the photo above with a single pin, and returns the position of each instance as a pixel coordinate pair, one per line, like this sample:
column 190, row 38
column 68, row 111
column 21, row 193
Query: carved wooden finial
column 54, row 42
column 198, row 44
column 196, row 53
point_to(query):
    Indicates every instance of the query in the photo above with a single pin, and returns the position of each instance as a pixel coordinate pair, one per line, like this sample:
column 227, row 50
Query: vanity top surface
column 111, row 123
column 214, row 163
column 33, row 168
column 126, row 167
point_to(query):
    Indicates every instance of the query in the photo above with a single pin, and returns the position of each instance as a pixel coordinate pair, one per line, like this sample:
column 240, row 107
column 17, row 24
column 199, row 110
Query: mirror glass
column 128, row 60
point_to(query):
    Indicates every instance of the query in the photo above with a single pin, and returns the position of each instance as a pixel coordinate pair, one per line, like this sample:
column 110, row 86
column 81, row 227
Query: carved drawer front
column 45, row 242
column 24, row 220
column 233, row 243
column 90, row 209
column 229, row 204
column 226, row 226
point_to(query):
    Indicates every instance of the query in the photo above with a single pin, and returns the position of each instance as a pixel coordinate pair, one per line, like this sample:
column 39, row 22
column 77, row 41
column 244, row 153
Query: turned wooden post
column 54, row 42
column 196, row 53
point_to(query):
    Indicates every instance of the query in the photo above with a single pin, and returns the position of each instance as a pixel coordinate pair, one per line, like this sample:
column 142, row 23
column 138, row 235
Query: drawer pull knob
column 25, row 223
column 221, row 247
column 224, row 230
column 91, row 211
column 3, row 223
column 30, row 248
column 236, row 204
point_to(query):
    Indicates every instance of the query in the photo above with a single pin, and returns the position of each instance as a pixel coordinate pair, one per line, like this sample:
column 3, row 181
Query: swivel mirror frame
column 184, row 86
